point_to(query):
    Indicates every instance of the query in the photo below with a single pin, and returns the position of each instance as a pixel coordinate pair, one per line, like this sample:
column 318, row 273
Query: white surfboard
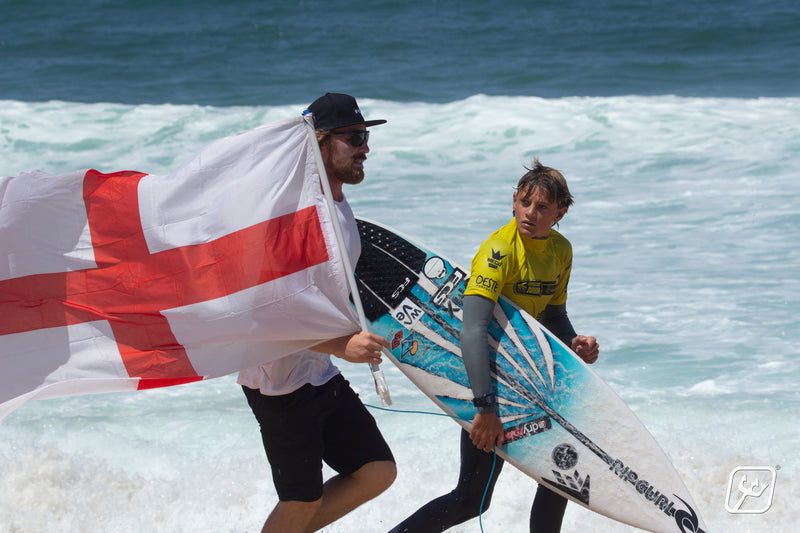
column 564, row 426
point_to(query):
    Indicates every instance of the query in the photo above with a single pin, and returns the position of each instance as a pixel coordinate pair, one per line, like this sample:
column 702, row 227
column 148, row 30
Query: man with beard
column 306, row 409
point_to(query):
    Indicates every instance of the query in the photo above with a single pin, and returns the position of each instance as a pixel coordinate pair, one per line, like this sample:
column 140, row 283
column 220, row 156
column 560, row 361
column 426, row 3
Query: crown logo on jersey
column 495, row 260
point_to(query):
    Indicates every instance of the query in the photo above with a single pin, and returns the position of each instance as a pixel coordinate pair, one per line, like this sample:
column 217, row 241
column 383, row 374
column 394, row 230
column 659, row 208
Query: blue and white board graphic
column 564, row 426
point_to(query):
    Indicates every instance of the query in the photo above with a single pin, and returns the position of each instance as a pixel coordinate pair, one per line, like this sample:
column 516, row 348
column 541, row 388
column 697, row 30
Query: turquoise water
column 250, row 52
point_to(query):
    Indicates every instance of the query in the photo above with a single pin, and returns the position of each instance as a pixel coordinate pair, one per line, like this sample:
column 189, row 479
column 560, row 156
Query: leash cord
column 494, row 453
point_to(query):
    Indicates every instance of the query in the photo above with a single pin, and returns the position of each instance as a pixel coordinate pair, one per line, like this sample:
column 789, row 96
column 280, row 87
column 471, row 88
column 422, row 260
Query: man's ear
column 561, row 213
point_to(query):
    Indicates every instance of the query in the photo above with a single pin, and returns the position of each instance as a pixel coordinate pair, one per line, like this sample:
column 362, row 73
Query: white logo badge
column 750, row 489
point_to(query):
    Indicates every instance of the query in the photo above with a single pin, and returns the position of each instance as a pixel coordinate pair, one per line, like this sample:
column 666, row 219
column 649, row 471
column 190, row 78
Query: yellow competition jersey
column 532, row 273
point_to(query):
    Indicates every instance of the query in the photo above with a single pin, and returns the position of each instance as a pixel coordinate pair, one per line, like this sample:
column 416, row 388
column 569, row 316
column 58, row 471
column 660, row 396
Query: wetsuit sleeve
column 475, row 342
column 554, row 318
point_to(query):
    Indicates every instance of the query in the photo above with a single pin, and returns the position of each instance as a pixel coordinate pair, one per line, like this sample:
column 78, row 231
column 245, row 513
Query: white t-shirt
column 291, row 372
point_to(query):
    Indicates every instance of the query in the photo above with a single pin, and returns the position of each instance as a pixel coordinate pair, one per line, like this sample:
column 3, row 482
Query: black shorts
column 314, row 424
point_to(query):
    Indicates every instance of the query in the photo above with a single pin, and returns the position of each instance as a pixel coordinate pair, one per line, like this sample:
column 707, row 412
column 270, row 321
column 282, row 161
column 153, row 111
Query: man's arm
column 361, row 347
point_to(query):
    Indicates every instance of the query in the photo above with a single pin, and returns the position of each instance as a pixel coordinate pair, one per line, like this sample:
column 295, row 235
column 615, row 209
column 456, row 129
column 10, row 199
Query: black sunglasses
column 357, row 137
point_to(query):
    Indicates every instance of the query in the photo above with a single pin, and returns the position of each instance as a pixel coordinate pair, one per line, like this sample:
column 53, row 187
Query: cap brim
column 369, row 123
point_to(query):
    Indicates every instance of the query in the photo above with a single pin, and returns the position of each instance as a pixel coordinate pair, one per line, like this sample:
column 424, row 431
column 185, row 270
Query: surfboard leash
column 414, row 412
column 494, row 450
column 488, row 484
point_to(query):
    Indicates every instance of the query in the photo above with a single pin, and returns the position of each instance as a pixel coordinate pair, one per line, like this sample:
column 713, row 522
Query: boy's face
column 535, row 213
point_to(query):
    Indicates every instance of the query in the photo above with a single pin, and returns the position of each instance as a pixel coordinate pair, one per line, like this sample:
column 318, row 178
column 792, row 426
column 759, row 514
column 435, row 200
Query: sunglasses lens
column 358, row 138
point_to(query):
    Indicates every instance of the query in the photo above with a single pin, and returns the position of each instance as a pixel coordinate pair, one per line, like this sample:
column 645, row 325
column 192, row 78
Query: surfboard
column 564, row 426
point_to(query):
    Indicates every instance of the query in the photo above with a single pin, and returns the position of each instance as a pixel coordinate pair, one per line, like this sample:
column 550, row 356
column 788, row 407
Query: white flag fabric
column 125, row 281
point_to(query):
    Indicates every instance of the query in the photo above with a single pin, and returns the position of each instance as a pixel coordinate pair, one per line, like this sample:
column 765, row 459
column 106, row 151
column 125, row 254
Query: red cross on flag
column 125, row 281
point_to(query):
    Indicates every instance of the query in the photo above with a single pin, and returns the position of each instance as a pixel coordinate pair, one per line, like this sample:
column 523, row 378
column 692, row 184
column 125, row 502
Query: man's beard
column 348, row 174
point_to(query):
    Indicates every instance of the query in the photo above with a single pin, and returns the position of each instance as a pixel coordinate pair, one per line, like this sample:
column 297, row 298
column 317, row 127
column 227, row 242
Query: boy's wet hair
column 548, row 180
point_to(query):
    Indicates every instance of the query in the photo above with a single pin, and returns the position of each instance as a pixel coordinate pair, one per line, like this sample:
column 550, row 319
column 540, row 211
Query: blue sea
column 676, row 123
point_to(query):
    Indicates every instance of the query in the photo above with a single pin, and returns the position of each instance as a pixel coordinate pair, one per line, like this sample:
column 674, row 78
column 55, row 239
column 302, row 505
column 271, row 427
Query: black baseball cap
column 336, row 110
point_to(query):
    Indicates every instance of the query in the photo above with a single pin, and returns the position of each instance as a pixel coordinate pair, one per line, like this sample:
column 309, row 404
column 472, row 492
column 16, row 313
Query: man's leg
column 290, row 430
column 291, row 517
column 366, row 456
column 342, row 494
column 355, row 448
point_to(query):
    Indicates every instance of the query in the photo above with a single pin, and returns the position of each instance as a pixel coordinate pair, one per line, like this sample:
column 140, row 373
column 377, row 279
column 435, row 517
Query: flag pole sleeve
column 377, row 374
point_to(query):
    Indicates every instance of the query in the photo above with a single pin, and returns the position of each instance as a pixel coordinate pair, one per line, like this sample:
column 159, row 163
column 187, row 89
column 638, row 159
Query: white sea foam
column 685, row 230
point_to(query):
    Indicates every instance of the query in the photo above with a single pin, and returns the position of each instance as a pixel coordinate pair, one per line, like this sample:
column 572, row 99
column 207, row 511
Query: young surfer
column 306, row 409
column 530, row 263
